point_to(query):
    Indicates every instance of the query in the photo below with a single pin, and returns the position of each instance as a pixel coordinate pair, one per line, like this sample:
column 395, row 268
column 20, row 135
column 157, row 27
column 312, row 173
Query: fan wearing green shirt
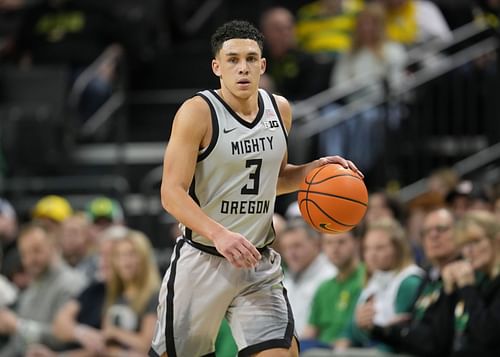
column 334, row 301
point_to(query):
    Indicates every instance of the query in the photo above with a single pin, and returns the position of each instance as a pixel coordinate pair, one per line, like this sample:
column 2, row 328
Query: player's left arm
column 291, row 176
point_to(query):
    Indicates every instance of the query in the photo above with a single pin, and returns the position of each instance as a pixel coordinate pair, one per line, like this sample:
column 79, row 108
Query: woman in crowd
column 475, row 281
column 374, row 62
column 131, row 297
column 393, row 281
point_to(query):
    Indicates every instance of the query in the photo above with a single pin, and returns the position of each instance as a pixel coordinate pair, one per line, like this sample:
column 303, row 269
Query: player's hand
column 347, row 164
column 237, row 250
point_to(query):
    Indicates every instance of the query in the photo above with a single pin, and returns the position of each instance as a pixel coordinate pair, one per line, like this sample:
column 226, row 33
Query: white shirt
column 384, row 287
column 302, row 287
column 431, row 22
column 8, row 292
column 372, row 68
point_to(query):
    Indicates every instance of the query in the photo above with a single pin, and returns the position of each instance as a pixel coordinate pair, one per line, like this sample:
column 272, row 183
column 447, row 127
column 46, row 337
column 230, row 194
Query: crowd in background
column 421, row 279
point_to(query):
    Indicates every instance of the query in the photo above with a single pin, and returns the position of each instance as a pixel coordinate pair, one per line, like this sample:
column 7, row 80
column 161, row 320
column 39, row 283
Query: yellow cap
column 53, row 207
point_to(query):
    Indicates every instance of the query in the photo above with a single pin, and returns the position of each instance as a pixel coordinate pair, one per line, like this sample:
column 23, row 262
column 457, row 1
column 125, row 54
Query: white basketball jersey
column 236, row 175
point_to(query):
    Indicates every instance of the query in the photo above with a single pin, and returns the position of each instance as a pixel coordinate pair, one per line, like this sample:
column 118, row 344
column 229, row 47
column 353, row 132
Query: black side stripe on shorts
column 169, row 322
column 285, row 342
column 152, row 353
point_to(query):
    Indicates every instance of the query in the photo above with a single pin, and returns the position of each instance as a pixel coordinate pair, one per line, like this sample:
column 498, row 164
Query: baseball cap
column 104, row 208
column 53, row 207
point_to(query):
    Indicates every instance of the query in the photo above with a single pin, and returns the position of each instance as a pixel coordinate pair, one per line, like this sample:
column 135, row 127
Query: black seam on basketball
column 335, row 196
column 331, row 177
column 307, row 194
column 330, row 217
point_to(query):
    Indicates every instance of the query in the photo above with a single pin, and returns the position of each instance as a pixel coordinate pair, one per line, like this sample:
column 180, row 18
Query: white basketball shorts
column 200, row 289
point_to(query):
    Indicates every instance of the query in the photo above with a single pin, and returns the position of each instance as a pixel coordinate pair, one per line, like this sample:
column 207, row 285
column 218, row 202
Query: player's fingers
column 354, row 168
column 335, row 160
column 252, row 250
column 249, row 259
column 237, row 262
column 236, row 259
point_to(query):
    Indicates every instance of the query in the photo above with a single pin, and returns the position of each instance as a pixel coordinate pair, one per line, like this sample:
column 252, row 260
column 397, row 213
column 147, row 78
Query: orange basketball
column 332, row 199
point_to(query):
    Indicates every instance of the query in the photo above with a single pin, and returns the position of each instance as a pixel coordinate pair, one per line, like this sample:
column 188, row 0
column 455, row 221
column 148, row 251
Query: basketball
column 332, row 199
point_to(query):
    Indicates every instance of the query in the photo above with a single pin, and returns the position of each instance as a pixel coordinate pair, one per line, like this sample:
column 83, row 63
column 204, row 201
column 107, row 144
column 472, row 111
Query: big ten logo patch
column 271, row 124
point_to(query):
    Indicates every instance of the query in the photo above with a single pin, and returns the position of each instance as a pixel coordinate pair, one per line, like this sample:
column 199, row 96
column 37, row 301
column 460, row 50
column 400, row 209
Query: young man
column 224, row 165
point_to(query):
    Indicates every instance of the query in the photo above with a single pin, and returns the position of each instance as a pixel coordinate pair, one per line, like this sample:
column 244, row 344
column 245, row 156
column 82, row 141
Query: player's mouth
column 243, row 83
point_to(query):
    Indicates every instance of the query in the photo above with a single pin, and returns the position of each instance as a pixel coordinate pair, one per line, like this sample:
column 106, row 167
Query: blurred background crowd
column 407, row 89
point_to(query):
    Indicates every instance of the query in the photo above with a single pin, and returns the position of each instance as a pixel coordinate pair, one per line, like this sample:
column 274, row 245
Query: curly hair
column 235, row 29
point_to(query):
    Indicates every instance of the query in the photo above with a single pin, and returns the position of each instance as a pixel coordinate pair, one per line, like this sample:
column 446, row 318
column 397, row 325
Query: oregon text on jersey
column 244, row 207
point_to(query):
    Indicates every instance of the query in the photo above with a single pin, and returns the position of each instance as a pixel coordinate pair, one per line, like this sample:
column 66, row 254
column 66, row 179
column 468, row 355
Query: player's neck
column 246, row 108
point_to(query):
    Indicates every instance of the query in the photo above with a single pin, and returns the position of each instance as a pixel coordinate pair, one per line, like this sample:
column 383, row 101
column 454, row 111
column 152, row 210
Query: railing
column 448, row 110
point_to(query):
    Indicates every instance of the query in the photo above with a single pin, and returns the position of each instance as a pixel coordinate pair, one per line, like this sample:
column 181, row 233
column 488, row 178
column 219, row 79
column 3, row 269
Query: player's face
column 378, row 251
column 239, row 65
column 340, row 249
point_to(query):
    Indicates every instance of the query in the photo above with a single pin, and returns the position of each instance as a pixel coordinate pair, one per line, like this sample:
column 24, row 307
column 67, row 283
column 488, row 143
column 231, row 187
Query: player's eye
column 233, row 60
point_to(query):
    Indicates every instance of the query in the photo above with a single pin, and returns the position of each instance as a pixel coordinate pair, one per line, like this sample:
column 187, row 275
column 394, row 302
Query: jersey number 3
column 252, row 188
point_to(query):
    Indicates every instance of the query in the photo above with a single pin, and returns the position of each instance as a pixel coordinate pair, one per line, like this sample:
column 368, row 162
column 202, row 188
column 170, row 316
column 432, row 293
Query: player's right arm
column 191, row 131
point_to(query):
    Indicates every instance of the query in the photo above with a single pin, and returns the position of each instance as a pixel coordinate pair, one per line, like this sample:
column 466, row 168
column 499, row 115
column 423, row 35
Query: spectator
column 53, row 284
column 458, row 199
column 382, row 205
column 480, row 198
column 8, row 292
column 335, row 299
column 373, row 62
column 50, row 211
column 14, row 270
column 431, row 316
column 496, row 208
column 475, row 281
column 77, row 247
column 293, row 73
column 8, row 230
column 78, row 322
column 488, row 12
column 131, row 297
column 392, row 287
column 103, row 213
column 325, row 26
column 307, row 268
column 412, row 22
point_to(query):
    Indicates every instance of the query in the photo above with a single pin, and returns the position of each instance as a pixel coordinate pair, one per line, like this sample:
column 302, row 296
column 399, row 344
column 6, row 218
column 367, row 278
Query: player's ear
column 216, row 67
column 263, row 65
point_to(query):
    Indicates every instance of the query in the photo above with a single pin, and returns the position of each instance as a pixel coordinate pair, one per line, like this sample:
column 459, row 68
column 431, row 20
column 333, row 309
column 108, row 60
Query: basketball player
column 224, row 165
